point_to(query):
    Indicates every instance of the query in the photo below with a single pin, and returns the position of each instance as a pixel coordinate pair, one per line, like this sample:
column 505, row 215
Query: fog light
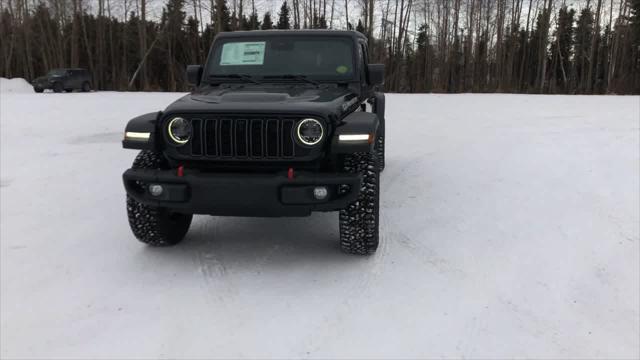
column 155, row 189
column 320, row 192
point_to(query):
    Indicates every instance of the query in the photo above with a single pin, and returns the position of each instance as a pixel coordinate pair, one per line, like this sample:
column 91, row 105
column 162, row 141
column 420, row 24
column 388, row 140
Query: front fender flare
column 356, row 123
column 379, row 108
column 136, row 130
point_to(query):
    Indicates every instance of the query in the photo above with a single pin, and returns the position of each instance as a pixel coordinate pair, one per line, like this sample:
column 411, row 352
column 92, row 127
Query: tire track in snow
column 336, row 316
column 216, row 284
column 427, row 256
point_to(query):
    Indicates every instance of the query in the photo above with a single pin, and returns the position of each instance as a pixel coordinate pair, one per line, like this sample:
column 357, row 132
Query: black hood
column 327, row 101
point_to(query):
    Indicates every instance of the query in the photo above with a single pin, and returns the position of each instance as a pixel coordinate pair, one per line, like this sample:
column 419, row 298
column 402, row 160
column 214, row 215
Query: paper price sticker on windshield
column 243, row 53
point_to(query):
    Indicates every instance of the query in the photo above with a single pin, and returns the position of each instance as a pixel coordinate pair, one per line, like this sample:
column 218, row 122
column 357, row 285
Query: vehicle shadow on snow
column 259, row 244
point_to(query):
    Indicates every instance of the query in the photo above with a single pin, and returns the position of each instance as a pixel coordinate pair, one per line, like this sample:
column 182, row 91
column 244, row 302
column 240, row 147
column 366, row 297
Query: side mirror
column 194, row 74
column 376, row 74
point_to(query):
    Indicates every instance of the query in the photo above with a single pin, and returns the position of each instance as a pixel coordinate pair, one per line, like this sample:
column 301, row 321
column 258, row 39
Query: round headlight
column 179, row 130
column 309, row 131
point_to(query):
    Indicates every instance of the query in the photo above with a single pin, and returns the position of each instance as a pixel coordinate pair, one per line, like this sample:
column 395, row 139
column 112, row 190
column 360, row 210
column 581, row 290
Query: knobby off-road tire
column 86, row 87
column 38, row 89
column 155, row 226
column 379, row 147
column 359, row 221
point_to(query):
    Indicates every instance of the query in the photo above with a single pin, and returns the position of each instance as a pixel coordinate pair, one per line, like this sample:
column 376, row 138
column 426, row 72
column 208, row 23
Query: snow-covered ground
column 510, row 228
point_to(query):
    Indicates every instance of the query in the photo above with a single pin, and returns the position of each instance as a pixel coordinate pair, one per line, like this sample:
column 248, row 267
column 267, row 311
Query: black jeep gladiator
column 63, row 80
column 280, row 123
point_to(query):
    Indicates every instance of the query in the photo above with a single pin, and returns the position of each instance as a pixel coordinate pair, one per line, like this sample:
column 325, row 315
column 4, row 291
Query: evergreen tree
column 422, row 40
column 243, row 24
column 284, row 17
column 481, row 63
column 173, row 42
column 222, row 16
column 561, row 48
column 267, row 24
column 424, row 53
column 602, row 71
column 254, row 23
column 634, row 6
column 539, row 43
column 322, row 23
column 537, row 54
column 129, row 43
column 632, row 61
column 193, row 39
column 207, row 36
column 582, row 45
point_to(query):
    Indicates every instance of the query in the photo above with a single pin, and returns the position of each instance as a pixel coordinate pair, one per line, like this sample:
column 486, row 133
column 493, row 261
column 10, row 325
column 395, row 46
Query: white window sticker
column 242, row 53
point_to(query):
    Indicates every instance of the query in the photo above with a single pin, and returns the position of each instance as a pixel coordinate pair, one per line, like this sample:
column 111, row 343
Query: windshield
column 317, row 58
column 57, row 72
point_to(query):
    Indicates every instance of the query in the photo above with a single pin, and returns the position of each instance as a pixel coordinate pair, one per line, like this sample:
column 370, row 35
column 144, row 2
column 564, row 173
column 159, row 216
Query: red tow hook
column 290, row 174
column 180, row 171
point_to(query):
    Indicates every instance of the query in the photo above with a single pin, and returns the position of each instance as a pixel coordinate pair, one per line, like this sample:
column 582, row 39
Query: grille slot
column 256, row 138
column 196, row 143
column 272, row 138
column 241, row 138
column 226, row 138
column 211, row 137
column 288, row 144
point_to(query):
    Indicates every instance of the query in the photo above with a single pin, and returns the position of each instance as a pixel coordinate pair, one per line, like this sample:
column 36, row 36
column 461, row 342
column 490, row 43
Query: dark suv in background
column 63, row 80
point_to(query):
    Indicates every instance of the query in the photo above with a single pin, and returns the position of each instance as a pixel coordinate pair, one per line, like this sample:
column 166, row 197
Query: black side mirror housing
column 194, row 74
column 376, row 74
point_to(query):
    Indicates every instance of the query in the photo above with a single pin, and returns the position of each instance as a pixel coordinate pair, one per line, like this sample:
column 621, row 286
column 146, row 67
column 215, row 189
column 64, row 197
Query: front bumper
column 42, row 85
column 242, row 194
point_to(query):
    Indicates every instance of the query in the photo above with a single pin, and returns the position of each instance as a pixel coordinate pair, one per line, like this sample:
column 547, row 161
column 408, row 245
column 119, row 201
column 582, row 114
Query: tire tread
column 155, row 226
column 360, row 220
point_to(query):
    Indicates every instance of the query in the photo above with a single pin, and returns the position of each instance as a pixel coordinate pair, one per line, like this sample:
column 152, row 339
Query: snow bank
column 15, row 85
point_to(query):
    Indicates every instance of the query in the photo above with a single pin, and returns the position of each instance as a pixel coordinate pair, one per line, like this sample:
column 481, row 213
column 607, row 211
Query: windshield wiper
column 292, row 77
column 235, row 76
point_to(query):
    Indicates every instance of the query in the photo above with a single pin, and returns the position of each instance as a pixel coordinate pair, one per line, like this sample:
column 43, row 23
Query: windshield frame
column 219, row 42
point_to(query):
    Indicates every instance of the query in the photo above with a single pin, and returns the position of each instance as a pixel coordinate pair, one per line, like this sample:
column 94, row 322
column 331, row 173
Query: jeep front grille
column 245, row 138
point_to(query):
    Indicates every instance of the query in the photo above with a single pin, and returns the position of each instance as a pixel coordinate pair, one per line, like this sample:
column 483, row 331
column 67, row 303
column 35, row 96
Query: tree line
column 522, row 46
